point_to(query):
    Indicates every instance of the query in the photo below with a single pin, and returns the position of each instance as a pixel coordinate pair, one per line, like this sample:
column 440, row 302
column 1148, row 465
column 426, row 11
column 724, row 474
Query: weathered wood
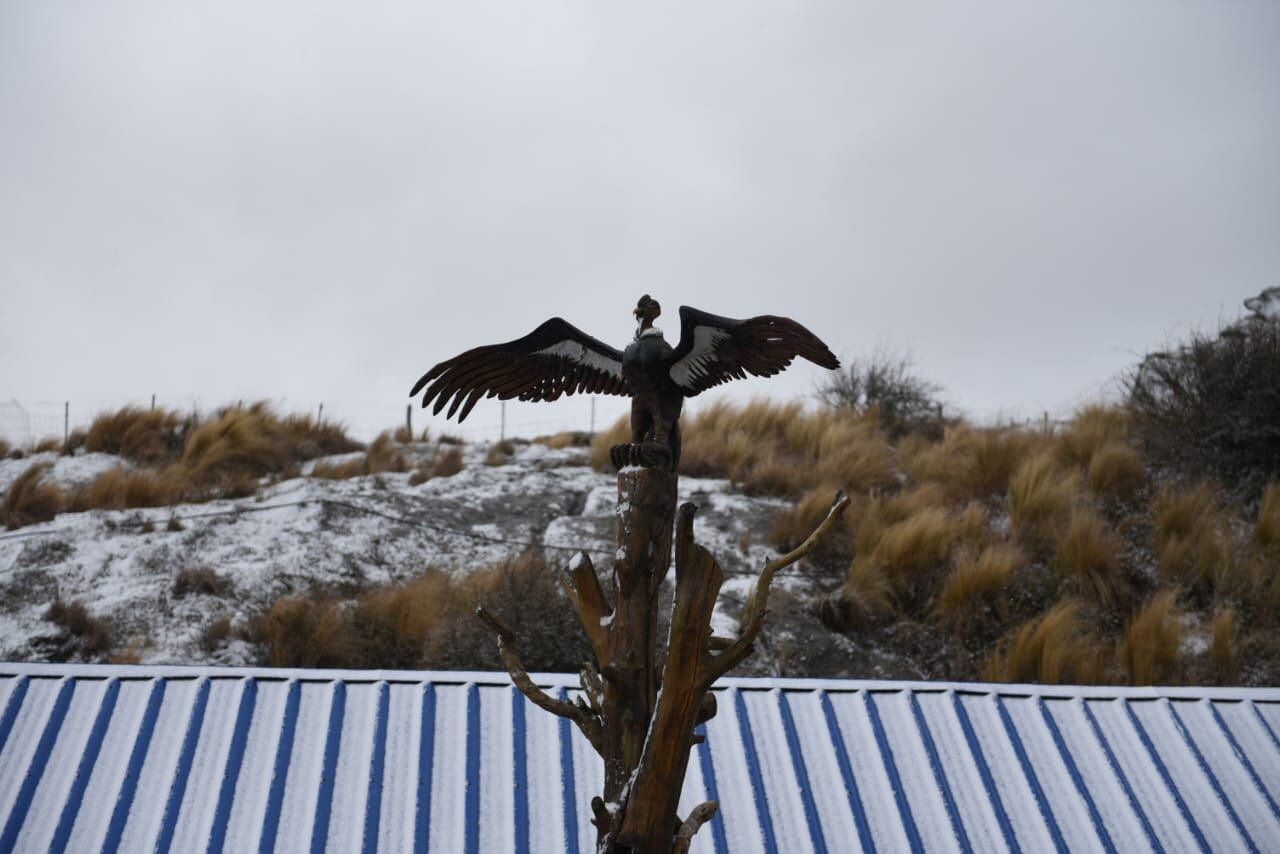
column 645, row 734
column 646, row 507
column 649, row 813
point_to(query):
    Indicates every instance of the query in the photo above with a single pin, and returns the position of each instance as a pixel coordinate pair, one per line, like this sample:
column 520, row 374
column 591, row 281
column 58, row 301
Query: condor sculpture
column 558, row 358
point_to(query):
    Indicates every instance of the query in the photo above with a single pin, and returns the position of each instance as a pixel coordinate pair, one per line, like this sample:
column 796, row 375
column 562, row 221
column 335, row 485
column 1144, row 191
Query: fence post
column 502, row 431
column 408, row 419
column 320, row 415
column 592, row 431
column 153, row 402
column 66, row 422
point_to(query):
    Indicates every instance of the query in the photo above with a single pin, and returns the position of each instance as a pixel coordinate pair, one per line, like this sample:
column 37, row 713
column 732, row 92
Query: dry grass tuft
column 1148, row 650
column 1195, row 543
column 428, row 622
column 1041, row 496
column 382, row 455
column 201, row 580
column 245, row 444
column 566, row 439
column 74, row 617
column 215, row 635
column 121, row 488
column 1224, row 650
column 617, row 433
column 29, row 501
column 969, row 462
column 1088, row 554
column 144, row 436
column 976, row 580
column 1092, row 428
column 5, row 448
column 500, row 453
column 1266, row 533
column 1054, row 648
column 1116, row 470
column 444, row 463
column 47, row 445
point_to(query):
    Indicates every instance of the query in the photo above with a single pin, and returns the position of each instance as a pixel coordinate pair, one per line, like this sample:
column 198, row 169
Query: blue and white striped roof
column 187, row 759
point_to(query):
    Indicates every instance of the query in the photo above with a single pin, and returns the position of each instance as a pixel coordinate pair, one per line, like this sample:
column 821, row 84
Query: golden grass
column 1148, row 652
column 969, row 462
column 426, row 622
column 142, row 435
column 1092, row 428
column 121, row 488
column 1041, row 496
column 1266, row 532
column 1224, row 649
column 774, row 448
column 1195, row 543
column 1088, row 554
column 976, row 580
column 382, row 455
column 1116, row 470
column 444, row 463
column 94, row 634
column 5, row 448
column 255, row 441
column 1056, row 648
column 565, row 439
column 500, row 453
column 200, row 580
column 29, row 500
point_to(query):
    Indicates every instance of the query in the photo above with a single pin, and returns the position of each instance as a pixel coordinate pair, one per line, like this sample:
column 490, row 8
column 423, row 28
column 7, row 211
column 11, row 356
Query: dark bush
column 1211, row 406
column 887, row 384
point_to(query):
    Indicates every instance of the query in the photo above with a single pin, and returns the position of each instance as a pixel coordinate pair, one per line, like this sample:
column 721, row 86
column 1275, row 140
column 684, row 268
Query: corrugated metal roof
column 210, row 759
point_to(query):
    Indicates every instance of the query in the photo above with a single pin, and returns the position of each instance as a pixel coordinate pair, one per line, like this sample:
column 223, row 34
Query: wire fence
column 26, row 422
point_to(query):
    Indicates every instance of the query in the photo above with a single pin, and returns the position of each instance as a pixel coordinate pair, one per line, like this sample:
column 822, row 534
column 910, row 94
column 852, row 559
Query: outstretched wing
column 714, row 350
column 554, row 359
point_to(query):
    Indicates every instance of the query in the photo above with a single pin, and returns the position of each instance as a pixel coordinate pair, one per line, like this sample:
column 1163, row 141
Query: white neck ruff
column 645, row 333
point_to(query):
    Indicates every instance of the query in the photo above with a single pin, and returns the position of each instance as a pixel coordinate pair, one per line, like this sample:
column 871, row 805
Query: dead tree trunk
column 641, row 721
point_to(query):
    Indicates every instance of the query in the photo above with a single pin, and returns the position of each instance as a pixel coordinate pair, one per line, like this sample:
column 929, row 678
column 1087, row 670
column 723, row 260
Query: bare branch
column 758, row 600
column 700, row 815
column 586, row 720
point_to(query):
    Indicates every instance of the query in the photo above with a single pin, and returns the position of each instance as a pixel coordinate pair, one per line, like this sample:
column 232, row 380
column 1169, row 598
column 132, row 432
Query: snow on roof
column 119, row 758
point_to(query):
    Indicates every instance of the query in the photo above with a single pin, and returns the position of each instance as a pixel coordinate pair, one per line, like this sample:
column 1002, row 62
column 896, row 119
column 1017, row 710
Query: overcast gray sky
column 317, row 201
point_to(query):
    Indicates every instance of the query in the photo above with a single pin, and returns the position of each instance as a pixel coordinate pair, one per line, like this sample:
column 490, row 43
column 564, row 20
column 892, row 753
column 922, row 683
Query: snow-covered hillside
column 340, row 535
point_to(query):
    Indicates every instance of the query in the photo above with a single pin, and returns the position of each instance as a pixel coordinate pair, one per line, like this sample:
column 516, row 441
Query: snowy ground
column 305, row 533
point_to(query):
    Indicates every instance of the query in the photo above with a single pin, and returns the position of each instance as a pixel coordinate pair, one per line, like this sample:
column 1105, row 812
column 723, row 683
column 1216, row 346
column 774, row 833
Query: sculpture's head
column 647, row 310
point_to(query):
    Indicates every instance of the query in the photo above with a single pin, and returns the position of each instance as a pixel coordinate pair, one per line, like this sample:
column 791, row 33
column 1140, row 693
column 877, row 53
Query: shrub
column 1211, row 405
column 1148, row 650
column 886, row 385
column 29, row 500
column 5, row 448
column 46, row 445
column 1054, row 648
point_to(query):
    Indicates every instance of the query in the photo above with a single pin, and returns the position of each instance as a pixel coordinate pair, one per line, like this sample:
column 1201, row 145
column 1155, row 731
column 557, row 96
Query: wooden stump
column 641, row 721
